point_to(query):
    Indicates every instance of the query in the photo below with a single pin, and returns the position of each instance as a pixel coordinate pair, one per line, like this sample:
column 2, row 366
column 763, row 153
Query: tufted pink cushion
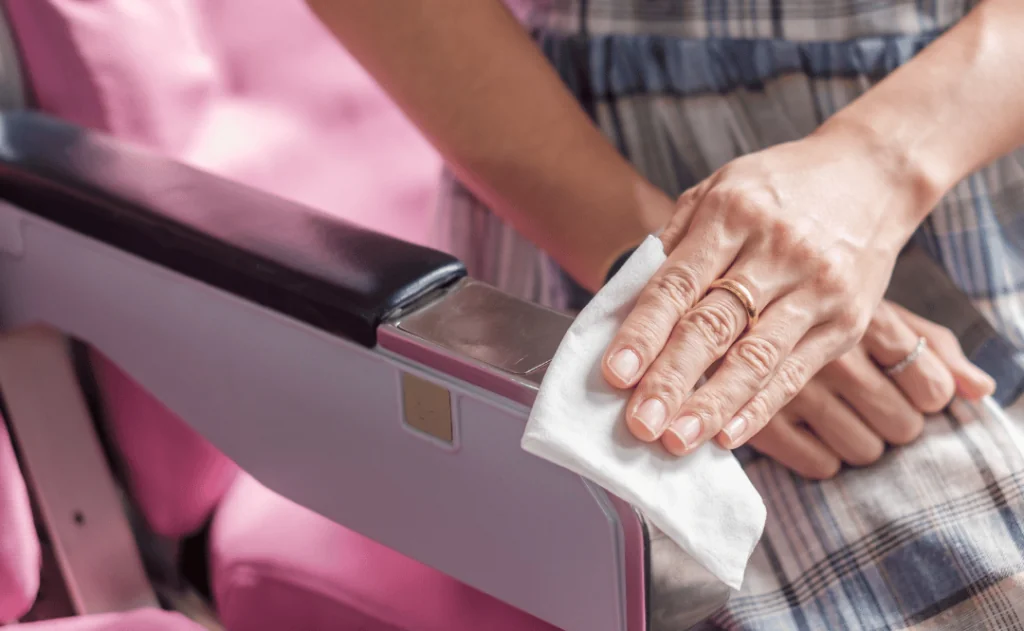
column 256, row 90
column 19, row 548
column 276, row 565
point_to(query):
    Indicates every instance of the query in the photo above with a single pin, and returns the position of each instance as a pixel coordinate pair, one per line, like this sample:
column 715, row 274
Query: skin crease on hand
column 811, row 229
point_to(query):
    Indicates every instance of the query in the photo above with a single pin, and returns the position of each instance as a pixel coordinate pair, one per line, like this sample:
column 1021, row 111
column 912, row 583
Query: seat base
column 277, row 565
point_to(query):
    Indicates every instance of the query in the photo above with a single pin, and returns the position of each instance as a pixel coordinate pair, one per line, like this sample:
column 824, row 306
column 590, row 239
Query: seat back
column 238, row 88
column 292, row 149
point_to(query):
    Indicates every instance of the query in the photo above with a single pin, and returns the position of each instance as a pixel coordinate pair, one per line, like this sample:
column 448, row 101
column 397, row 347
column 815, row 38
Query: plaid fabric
column 681, row 88
column 931, row 537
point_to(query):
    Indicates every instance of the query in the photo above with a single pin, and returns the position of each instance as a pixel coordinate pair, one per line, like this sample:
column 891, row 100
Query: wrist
column 652, row 211
column 917, row 181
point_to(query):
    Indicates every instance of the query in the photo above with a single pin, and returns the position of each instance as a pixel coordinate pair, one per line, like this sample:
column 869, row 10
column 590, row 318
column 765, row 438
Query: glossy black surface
column 301, row 262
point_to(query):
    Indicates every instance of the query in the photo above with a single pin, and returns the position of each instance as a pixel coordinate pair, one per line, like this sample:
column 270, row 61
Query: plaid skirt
column 932, row 537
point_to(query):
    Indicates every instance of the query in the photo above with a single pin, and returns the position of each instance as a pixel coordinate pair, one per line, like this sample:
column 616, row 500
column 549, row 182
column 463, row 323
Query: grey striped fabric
column 931, row 537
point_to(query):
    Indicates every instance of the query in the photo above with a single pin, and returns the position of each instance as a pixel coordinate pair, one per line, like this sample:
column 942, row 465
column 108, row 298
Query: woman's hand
column 811, row 229
column 851, row 409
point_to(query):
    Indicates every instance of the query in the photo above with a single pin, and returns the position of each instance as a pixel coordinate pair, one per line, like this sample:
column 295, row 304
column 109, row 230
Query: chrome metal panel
column 491, row 327
column 481, row 335
column 681, row 592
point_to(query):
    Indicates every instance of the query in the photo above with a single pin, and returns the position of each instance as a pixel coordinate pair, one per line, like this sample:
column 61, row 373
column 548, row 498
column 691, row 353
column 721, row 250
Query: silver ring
column 911, row 357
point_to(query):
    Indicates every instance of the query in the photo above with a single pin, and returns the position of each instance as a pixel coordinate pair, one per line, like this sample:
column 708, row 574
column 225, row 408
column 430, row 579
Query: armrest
column 413, row 443
column 300, row 262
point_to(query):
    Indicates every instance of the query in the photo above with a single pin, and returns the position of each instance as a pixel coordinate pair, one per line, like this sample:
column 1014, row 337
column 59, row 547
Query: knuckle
column 641, row 334
column 742, row 208
column 665, row 382
column 747, row 208
column 714, row 322
column 852, row 325
column 832, row 275
column 708, row 408
column 793, row 374
column 759, row 412
column 849, row 320
column 799, row 247
column 678, row 287
column 758, row 355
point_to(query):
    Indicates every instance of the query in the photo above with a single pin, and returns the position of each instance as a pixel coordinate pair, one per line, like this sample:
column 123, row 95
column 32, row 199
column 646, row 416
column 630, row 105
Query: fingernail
column 651, row 415
column 625, row 364
column 735, row 428
column 985, row 381
column 687, row 430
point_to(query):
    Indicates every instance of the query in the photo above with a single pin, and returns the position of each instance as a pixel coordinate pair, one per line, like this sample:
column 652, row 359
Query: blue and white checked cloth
column 932, row 537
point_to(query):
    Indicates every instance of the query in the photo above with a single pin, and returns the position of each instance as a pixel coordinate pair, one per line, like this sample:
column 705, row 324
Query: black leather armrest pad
column 298, row 261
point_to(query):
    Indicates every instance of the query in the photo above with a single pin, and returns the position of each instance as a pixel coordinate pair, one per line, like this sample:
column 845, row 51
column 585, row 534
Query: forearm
column 956, row 106
column 470, row 78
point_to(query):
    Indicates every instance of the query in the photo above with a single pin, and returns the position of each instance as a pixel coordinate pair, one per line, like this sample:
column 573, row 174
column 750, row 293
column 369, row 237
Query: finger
column 874, row 396
column 972, row 382
column 927, row 382
column 796, row 449
column 681, row 282
column 700, row 337
column 746, row 368
column 792, row 375
column 837, row 425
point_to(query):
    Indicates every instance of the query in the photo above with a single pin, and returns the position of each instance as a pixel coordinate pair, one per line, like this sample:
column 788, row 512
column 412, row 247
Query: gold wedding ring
column 742, row 294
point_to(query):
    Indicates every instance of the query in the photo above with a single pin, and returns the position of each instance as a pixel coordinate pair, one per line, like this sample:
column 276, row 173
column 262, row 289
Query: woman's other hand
column 852, row 409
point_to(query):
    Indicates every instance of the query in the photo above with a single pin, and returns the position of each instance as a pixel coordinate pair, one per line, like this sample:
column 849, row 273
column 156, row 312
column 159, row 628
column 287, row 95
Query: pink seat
column 277, row 565
column 141, row 620
column 176, row 476
column 255, row 90
column 19, row 548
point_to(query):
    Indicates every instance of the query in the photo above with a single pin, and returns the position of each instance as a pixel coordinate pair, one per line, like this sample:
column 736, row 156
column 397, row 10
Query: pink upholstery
column 177, row 477
column 141, row 620
column 257, row 91
column 252, row 89
column 19, row 548
column 279, row 566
